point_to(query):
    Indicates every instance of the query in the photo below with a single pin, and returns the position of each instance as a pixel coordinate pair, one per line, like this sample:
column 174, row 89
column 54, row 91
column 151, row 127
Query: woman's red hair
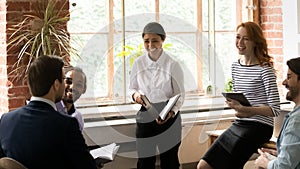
column 255, row 34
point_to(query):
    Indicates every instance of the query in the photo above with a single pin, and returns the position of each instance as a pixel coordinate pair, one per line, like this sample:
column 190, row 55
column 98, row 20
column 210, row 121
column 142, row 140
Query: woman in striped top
column 253, row 74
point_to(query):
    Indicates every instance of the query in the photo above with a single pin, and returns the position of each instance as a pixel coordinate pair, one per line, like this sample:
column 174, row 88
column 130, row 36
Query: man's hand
column 159, row 121
column 270, row 151
column 262, row 161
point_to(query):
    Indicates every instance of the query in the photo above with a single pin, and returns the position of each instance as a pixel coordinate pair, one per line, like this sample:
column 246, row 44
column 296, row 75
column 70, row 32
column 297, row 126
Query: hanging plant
column 41, row 33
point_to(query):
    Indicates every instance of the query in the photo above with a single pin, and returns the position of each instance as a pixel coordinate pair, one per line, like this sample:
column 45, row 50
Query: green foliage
column 209, row 90
column 132, row 51
column 229, row 86
column 167, row 46
column 135, row 52
column 41, row 33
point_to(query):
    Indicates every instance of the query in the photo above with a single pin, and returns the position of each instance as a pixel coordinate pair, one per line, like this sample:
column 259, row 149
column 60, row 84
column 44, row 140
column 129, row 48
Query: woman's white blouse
column 158, row 80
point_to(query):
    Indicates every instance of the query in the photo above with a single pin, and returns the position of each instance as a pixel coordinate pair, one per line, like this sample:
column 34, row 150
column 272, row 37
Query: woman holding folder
column 159, row 77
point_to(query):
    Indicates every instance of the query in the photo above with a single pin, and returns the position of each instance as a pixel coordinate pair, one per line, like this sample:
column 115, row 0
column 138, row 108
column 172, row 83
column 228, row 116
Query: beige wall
column 195, row 142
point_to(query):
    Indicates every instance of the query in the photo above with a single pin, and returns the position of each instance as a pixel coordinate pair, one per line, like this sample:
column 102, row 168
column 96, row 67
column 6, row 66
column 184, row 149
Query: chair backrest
column 9, row 163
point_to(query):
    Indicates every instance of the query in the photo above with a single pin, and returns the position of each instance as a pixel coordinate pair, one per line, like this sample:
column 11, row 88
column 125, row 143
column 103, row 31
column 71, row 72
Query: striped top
column 258, row 83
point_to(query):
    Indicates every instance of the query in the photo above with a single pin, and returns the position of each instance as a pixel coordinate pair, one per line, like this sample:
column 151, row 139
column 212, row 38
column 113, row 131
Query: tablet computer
column 240, row 97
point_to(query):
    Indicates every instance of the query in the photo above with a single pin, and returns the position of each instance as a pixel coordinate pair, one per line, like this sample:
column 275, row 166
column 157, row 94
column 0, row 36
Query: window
column 200, row 35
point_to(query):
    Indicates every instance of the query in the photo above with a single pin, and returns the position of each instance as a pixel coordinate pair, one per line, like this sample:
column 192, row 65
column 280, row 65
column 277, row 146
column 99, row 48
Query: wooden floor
column 184, row 166
column 249, row 165
column 189, row 166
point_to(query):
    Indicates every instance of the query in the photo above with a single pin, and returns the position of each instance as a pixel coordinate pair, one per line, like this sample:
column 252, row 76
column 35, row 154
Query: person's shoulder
column 267, row 69
column 236, row 63
column 169, row 58
column 14, row 112
column 294, row 121
column 267, row 66
column 77, row 113
column 63, row 116
column 140, row 61
column 295, row 113
column 13, row 115
column 64, row 120
column 167, row 55
column 7, row 115
column 141, row 58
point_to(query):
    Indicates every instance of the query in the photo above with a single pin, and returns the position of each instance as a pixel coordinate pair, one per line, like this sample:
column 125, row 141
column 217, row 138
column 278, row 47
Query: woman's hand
column 159, row 121
column 234, row 104
column 137, row 98
column 99, row 164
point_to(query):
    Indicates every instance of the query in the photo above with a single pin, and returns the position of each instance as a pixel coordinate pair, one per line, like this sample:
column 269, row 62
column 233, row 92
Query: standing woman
column 253, row 75
column 159, row 77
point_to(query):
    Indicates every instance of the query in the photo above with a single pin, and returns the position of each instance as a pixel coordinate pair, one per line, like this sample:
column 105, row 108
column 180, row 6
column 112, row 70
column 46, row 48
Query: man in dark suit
column 37, row 135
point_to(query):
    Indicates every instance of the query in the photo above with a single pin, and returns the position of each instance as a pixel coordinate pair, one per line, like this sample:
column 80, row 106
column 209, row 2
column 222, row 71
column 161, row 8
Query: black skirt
column 235, row 146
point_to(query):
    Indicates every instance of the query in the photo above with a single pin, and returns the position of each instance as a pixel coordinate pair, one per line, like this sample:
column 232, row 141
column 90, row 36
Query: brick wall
column 271, row 22
column 13, row 93
column 16, row 89
column 3, row 88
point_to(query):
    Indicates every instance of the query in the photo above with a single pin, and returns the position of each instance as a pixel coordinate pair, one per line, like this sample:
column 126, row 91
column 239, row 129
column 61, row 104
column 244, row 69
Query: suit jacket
column 41, row 138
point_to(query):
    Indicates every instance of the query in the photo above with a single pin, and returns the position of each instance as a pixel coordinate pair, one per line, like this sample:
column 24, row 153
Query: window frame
column 253, row 15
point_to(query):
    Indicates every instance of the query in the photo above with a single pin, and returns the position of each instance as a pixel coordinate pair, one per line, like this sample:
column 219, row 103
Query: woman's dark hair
column 156, row 28
column 163, row 37
column 294, row 66
column 42, row 73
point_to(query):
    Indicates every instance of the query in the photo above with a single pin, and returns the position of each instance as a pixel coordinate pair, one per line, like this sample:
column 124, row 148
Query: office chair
column 9, row 163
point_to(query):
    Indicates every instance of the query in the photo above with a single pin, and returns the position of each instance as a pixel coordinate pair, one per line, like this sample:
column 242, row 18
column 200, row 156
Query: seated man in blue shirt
column 288, row 143
column 75, row 86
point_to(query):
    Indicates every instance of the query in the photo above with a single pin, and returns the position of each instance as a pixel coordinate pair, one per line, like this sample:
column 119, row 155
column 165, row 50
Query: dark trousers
column 151, row 137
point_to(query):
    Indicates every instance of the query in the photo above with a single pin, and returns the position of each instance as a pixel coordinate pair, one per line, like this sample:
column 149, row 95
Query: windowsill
column 187, row 119
column 192, row 104
column 190, row 109
column 118, row 122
